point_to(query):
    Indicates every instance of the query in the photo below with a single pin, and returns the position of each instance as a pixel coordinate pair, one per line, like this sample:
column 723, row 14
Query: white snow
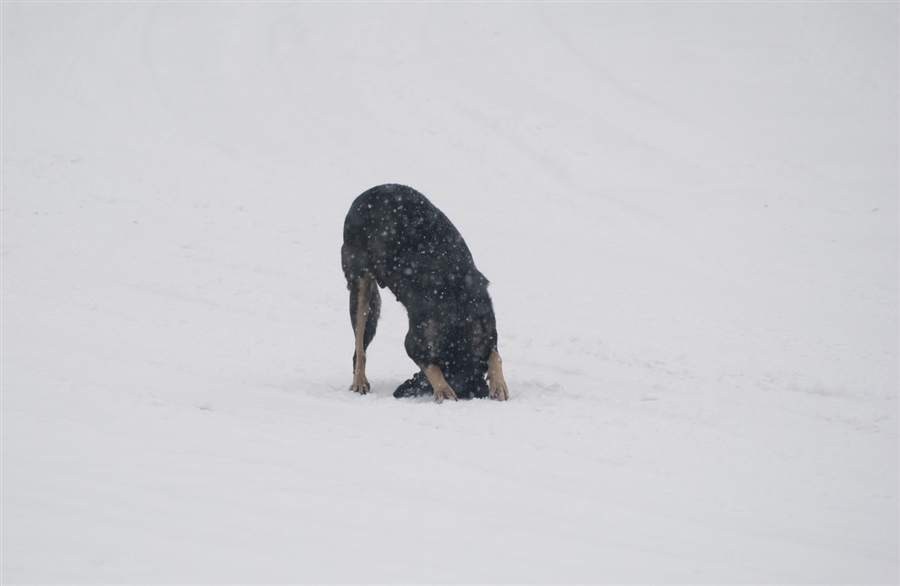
column 688, row 213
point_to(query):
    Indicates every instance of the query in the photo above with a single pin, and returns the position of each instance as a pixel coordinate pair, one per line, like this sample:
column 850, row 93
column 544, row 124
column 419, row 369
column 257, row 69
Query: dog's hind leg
column 499, row 391
column 365, row 306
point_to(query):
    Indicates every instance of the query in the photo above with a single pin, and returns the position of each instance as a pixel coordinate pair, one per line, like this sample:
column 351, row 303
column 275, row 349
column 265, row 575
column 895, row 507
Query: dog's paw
column 361, row 388
column 444, row 392
column 499, row 392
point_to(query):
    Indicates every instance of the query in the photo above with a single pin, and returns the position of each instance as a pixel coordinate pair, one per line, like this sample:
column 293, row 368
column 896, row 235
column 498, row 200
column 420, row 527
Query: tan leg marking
column 499, row 391
column 442, row 388
column 360, row 382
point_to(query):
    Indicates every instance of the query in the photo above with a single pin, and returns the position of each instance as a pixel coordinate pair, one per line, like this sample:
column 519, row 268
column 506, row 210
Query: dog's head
column 457, row 331
column 466, row 350
column 468, row 385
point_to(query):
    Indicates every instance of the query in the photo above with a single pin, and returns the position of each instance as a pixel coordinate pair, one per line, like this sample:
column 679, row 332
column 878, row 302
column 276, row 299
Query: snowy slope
column 688, row 213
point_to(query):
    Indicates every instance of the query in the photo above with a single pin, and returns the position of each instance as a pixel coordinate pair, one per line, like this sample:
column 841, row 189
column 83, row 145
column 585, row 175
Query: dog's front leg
column 499, row 391
column 442, row 389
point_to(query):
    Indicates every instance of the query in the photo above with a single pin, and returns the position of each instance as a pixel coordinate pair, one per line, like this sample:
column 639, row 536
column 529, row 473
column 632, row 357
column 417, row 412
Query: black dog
column 395, row 238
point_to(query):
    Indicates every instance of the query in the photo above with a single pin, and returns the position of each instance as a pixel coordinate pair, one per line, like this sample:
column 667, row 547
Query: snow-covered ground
column 689, row 214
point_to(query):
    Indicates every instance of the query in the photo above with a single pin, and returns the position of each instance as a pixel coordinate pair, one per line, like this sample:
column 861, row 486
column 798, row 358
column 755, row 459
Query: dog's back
column 399, row 237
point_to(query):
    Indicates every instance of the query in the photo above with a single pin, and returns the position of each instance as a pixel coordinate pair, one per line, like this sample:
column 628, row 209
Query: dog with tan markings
column 395, row 238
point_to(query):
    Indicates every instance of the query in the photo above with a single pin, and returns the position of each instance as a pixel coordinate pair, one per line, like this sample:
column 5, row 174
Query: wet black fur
column 393, row 234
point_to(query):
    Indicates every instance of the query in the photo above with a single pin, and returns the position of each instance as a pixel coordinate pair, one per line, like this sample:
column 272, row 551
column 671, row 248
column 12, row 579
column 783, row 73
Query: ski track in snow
column 688, row 214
